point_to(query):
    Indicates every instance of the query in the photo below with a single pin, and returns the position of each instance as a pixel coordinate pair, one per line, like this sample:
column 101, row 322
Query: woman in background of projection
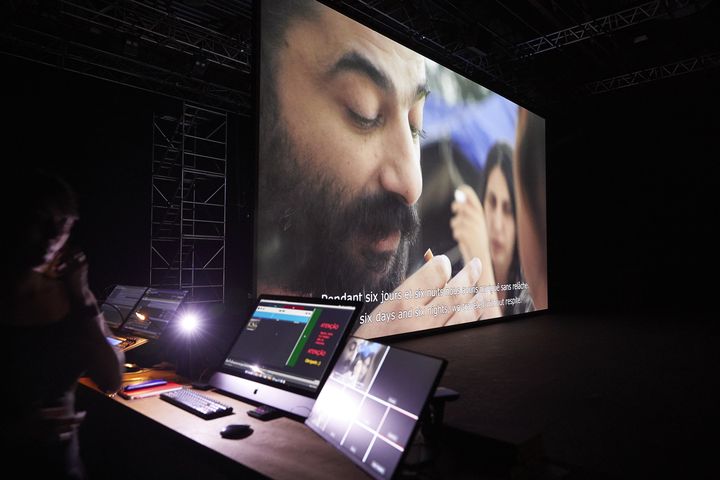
column 488, row 229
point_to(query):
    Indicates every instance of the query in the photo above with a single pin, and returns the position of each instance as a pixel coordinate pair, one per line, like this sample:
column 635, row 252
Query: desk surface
column 281, row 448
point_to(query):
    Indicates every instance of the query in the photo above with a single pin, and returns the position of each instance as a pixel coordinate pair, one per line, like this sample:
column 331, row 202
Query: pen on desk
column 141, row 385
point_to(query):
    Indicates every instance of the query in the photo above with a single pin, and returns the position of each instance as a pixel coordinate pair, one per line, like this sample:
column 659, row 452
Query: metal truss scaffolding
column 189, row 194
column 655, row 73
column 192, row 54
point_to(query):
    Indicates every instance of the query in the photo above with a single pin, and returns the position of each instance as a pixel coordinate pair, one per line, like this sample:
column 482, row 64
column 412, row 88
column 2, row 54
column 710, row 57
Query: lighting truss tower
column 189, row 195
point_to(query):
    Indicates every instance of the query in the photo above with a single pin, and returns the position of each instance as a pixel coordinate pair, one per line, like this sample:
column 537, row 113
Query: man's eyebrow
column 355, row 62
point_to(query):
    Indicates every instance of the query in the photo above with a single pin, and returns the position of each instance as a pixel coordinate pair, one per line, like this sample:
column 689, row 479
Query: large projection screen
column 387, row 178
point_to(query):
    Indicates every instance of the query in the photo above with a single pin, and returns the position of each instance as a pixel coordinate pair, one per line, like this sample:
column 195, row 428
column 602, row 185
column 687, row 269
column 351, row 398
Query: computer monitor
column 283, row 355
column 121, row 301
column 371, row 404
column 155, row 310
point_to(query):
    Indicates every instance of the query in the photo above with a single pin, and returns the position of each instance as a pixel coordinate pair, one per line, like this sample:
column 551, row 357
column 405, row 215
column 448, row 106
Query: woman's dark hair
column 530, row 164
column 41, row 203
column 500, row 156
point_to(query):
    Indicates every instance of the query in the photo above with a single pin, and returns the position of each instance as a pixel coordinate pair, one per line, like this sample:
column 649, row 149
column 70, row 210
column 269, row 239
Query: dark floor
column 605, row 396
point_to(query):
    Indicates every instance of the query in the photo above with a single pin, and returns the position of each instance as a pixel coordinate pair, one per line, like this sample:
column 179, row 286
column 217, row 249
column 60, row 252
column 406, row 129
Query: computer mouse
column 236, row 430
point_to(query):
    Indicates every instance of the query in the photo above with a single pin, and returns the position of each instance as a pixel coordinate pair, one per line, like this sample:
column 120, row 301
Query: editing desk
column 150, row 438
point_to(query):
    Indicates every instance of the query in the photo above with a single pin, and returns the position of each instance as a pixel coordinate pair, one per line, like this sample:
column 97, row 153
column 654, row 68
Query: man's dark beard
column 307, row 227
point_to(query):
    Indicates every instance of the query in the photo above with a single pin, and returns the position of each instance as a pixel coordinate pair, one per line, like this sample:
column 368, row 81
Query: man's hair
column 276, row 17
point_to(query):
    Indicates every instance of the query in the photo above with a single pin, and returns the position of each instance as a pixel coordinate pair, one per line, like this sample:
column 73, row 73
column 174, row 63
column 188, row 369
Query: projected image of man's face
column 358, row 170
column 344, row 114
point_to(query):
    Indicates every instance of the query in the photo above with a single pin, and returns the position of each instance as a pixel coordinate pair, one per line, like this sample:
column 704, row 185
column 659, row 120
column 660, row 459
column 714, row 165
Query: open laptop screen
column 371, row 404
column 120, row 303
column 154, row 312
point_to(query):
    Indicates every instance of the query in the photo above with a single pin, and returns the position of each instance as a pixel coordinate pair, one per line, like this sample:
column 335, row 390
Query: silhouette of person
column 54, row 330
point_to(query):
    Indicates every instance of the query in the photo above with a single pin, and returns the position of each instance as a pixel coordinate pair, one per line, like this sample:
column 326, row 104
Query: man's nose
column 400, row 172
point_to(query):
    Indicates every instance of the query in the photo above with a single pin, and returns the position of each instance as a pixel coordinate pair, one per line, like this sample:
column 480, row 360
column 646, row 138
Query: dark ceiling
column 541, row 53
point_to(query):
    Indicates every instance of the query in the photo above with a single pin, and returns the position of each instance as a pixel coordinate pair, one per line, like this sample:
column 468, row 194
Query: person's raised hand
column 74, row 272
column 428, row 298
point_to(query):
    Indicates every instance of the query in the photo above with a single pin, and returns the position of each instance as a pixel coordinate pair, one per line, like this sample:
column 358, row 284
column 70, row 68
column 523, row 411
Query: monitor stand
column 436, row 409
column 428, row 439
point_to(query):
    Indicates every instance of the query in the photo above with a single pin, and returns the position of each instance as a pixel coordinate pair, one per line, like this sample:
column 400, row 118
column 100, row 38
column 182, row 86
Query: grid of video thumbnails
column 371, row 403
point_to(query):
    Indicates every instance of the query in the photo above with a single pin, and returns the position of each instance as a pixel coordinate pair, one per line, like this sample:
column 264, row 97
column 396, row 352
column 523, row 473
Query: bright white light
column 335, row 402
column 189, row 322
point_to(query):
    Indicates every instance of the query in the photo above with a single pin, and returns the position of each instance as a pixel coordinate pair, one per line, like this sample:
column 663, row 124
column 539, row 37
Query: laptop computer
column 116, row 308
column 137, row 315
column 371, row 405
